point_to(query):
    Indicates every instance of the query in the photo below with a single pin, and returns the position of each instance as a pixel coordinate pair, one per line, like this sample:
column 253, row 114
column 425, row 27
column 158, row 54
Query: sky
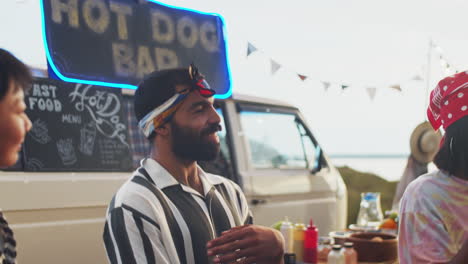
column 360, row 43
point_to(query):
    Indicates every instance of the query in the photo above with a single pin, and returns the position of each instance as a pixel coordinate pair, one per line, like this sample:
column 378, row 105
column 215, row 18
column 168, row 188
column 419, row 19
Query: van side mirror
column 317, row 166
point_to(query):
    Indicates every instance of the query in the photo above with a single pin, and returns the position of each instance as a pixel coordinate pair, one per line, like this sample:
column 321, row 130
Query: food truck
column 85, row 141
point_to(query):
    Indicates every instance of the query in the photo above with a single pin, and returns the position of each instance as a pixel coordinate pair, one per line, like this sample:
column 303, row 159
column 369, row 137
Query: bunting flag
column 443, row 61
column 371, row 91
column 396, row 87
column 326, row 85
column 250, row 48
column 274, row 66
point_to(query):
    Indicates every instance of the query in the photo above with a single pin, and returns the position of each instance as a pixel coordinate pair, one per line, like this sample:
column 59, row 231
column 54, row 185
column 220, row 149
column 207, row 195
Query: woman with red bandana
column 434, row 208
column 14, row 78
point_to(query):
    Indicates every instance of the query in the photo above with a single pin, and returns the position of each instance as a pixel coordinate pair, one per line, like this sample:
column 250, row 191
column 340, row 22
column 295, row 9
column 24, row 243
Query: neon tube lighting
column 129, row 86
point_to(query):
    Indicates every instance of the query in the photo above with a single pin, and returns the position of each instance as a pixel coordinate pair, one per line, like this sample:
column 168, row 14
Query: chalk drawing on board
column 39, row 132
column 104, row 109
column 87, row 138
column 34, row 165
column 66, row 151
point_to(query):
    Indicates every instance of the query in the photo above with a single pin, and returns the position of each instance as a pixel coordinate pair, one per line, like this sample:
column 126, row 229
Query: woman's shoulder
column 426, row 182
column 420, row 192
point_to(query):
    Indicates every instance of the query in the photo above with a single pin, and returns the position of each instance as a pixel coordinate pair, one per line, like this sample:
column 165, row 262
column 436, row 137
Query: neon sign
column 116, row 43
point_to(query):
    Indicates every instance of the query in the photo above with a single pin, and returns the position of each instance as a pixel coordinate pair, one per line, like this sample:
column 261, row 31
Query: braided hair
column 7, row 243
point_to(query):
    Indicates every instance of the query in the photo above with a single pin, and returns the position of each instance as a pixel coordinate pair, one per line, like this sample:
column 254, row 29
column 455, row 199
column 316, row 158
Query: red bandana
column 449, row 101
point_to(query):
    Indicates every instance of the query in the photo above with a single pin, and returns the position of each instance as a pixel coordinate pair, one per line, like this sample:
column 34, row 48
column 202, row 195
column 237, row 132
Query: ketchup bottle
column 311, row 244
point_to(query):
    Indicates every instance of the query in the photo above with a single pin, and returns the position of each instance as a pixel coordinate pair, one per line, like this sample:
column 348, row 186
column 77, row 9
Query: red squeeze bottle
column 311, row 243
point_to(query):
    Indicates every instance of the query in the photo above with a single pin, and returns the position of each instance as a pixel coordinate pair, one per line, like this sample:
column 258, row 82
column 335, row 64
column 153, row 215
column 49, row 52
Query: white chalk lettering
column 102, row 107
column 53, row 88
column 45, row 104
column 71, row 119
column 44, row 90
column 36, row 90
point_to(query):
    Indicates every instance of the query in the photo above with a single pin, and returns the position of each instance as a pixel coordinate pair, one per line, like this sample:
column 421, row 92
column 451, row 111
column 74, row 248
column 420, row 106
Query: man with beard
column 170, row 210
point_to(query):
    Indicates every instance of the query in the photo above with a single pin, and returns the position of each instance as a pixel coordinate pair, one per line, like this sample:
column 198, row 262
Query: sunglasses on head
column 199, row 83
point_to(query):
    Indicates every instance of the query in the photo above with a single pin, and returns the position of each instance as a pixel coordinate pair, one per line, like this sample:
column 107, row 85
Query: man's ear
column 163, row 130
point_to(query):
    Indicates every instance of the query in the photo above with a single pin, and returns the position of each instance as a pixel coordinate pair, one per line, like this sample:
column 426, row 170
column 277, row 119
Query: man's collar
column 163, row 179
column 160, row 176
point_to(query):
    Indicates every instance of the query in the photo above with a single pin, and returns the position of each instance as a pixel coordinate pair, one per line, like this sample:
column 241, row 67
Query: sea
column 388, row 167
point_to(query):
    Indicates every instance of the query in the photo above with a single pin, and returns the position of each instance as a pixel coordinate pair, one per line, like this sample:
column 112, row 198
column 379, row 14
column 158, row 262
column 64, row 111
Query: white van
column 267, row 148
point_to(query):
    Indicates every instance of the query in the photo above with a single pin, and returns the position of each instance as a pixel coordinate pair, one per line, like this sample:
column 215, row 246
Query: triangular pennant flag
column 302, row 77
column 343, row 86
column 443, row 63
column 371, row 91
column 250, row 48
column 274, row 66
column 326, row 85
column 396, row 87
column 417, row 78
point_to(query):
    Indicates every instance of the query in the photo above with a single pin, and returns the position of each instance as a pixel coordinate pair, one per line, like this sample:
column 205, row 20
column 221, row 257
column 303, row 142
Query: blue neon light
column 129, row 86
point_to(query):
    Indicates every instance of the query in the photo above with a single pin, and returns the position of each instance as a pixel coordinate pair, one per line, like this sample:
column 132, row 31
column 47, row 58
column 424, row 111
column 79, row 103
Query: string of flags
column 442, row 59
column 371, row 90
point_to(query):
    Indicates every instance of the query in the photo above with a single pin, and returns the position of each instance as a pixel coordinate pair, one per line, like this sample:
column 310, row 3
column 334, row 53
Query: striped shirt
column 154, row 219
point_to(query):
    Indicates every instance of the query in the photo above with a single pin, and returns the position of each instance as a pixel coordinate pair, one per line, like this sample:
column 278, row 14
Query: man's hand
column 248, row 244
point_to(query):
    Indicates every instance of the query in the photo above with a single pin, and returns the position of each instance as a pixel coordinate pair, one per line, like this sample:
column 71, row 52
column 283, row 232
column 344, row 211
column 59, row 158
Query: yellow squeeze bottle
column 298, row 246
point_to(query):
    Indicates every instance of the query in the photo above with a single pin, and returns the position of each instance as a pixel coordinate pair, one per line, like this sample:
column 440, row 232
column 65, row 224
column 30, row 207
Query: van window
column 277, row 140
column 312, row 152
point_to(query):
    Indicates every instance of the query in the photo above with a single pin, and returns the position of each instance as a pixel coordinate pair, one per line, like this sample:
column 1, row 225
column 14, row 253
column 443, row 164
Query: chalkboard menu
column 76, row 127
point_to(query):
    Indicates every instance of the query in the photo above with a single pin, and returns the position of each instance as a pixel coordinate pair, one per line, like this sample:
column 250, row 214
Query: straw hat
column 424, row 142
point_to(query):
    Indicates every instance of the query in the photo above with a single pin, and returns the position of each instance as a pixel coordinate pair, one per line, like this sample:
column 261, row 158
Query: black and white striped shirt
column 155, row 219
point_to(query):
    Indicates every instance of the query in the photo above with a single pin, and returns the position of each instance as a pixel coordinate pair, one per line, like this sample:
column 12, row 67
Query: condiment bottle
column 350, row 255
column 289, row 258
column 287, row 230
column 298, row 245
column 324, row 248
column 311, row 243
column 336, row 256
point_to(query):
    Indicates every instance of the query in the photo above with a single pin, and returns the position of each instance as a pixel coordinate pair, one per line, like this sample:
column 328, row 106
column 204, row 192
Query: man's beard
column 189, row 144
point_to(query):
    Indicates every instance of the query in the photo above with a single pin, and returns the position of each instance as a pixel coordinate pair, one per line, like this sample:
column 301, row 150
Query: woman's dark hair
column 453, row 154
column 12, row 70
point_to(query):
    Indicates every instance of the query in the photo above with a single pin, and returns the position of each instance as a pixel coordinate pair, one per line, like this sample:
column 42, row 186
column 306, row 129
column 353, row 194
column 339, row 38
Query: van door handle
column 258, row 201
